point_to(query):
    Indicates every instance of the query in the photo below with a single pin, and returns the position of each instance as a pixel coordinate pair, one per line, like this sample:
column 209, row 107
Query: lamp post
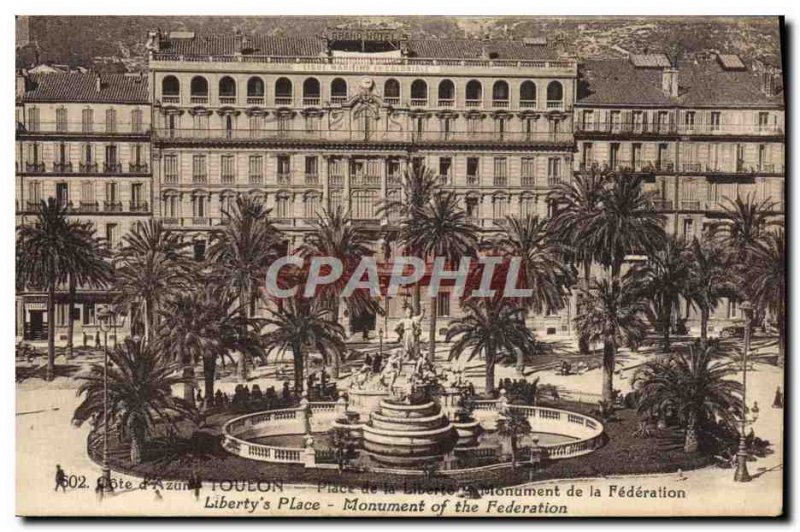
column 741, row 474
column 106, row 316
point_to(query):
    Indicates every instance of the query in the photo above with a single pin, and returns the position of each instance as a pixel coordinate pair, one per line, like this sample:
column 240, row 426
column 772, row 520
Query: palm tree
column 578, row 203
column 709, row 279
column 335, row 235
column 439, row 229
column 613, row 313
column 541, row 269
column 203, row 325
column 492, row 327
column 765, row 280
column 665, row 278
column 48, row 252
column 418, row 188
column 300, row 325
column 90, row 266
column 140, row 382
column 241, row 252
column 151, row 266
column 695, row 387
column 747, row 221
column 513, row 424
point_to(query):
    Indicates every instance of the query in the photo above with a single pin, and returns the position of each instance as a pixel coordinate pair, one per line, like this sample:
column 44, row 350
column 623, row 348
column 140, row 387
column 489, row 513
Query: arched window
column 311, row 92
column 227, row 90
column 255, row 91
column 500, row 94
column 474, row 93
column 283, row 92
column 555, row 95
column 527, row 94
column 419, row 93
column 170, row 86
column 447, row 93
column 391, row 91
column 338, row 91
column 199, row 89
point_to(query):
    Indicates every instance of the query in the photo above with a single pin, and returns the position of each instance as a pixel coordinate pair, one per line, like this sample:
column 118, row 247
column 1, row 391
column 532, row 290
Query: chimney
column 21, row 80
column 669, row 81
column 97, row 83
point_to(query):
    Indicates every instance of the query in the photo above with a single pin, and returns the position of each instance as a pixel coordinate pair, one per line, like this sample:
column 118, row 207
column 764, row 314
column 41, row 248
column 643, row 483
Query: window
column 312, row 123
column 391, row 91
column 555, row 95
column 688, row 120
column 33, row 119
column 171, row 168
column 688, row 229
column 87, row 120
column 284, row 169
column 614, row 156
column 255, row 169
column 311, row 162
column 762, row 157
column 528, row 165
column 588, row 155
column 170, row 86
column 527, row 206
column 284, row 122
column 338, row 91
column 111, row 121
column 763, row 120
column 227, row 89
column 473, row 166
column 111, row 164
column 34, row 192
column 419, row 93
column 283, row 92
column 500, row 126
column 311, row 206
column 442, row 304
column 417, row 163
column 500, row 166
column 199, row 205
column 500, row 94
column 171, row 206
column 553, row 169
column 62, row 154
column 527, row 94
column 136, row 195
column 446, row 127
column 62, row 194
column 112, row 234
column 663, row 162
column 111, row 193
column 716, row 121
column 226, row 204
column 311, row 92
column 471, row 207
column 199, row 174
column 636, row 156
column 616, row 121
column 255, row 90
column 199, row 250
column 474, row 93
column 447, row 93
column 282, row 207
column 89, row 313
column 363, row 204
column 445, row 164
column 61, row 120
column 473, row 124
column 199, row 89
column 136, row 121
column 393, row 171
column 499, row 207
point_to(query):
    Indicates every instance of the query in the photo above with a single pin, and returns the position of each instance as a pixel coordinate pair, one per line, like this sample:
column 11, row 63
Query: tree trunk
column 416, row 299
column 297, row 355
column 137, row 443
column 489, row 370
column 666, row 319
column 189, row 385
column 781, row 338
column 51, row 330
column 609, row 356
column 583, row 340
column 703, row 326
column 209, row 373
column 513, row 451
column 690, row 444
column 245, row 301
column 520, row 364
column 432, row 332
column 70, row 312
column 336, row 361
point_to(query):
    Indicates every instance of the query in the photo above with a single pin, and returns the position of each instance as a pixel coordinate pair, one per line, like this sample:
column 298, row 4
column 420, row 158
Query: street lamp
column 107, row 318
column 741, row 474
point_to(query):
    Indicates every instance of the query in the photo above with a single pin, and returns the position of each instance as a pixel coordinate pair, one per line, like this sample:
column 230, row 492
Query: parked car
column 732, row 331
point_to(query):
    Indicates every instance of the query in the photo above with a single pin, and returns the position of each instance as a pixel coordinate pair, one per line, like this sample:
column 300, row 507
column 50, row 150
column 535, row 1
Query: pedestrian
column 61, row 479
column 196, row 485
column 368, row 361
column 377, row 363
column 778, row 402
column 199, row 396
column 97, row 340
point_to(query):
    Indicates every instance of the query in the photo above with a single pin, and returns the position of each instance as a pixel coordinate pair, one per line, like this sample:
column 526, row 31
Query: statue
column 409, row 330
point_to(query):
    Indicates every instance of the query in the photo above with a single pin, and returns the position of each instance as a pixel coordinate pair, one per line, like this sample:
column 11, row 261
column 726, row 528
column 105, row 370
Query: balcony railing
column 138, row 168
column 311, row 101
column 356, row 135
column 112, row 206
column 553, row 180
column 78, row 129
column 139, row 206
column 528, row 181
column 312, row 179
column 283, row 100
column 198, row 100
column 690, row 205
column 171, row 98
column 62, row 168
column 336, row 180
column 112, row 168
column 473, row 103
column 555, row 104
column 255, row 100
column 473, row 180
column 500, row 103
column 255, row 179
column 619, row 128
column 527, row 104
column 227, row 99
column 730, row 129
column 500, row 181
column 88, row 206
column 227, row 179
column 37, row 167
column 391, row 100
column 87, row 168
column 662, row 205
column 418, row 102
column 446, row 102
column 200, row 178
column 365, row 180
column 284, row 179
column 394, row 180
column 339, row 99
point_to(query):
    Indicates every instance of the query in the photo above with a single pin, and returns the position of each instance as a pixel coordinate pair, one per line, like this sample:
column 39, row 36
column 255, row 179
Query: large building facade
column 308, row 123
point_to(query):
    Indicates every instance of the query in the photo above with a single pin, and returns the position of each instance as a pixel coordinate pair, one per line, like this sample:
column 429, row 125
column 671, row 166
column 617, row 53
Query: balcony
column 112, row 168
column 690, row 205
column 339, row 99
column 33, row 205
column 664, row 166
column 473, row 180
column 365, row 180
column 284, row 178
column 283, row 100
column 198, row 100
column 227, row 179
column 90, row 206
column 171, row 98
column 87, row 168
column 500, row 181
column 619, row 128
column 255, row 100
column 692, row 167
column 311, row 101
column 418, row 102
column 171, row 179
column 662, row 205
column 312, row 179
column 62, row 168
column 200, row 221
column 254, row 179
column 137, row 168
column 527, row 104
column 553, row 180
column 35, row 168
column 555, row 104
column 731, row 130
column 336, row 180
column 394, row 180
column 391, row 100
column 227, row 99
column 472, row 104
column 502, row 104
column 200, row 179
column 528, row 181
column 444, row 180
column 170, row 220
column 112, row 206
column 446, row 102
column 139, row 206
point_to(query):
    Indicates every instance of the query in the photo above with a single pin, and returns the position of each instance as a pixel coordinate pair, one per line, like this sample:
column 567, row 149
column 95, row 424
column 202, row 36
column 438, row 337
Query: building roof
column 650, row 60
column 619, row 82
column 314, row 46
column 78, row 87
